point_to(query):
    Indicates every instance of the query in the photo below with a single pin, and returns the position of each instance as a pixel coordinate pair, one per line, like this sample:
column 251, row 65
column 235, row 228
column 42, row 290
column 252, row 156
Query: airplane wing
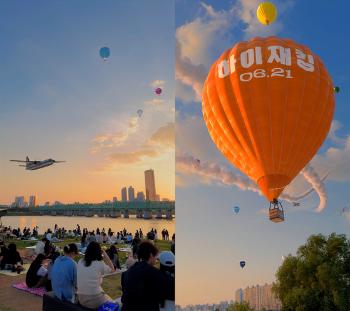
column 22, row 161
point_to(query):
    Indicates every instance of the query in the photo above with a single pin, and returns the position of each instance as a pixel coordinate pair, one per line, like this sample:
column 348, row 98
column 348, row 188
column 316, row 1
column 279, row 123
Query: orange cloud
column 133, row 156
column 164, row 135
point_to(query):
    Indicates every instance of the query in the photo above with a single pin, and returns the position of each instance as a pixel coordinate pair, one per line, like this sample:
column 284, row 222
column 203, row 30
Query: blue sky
column 59, row 99
column 211, row 239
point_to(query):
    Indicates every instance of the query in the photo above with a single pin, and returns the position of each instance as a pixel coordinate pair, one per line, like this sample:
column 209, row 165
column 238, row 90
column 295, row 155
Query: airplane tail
column 27, row 159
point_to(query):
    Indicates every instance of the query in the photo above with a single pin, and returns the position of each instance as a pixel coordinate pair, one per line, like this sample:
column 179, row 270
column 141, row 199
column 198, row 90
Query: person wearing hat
column 143, row 285
column 167, row 267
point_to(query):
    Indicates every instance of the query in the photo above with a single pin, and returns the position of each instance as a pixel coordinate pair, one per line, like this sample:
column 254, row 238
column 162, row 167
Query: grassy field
column 111, row 284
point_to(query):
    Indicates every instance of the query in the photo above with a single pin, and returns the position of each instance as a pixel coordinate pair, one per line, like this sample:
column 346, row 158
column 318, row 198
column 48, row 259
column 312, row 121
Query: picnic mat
column 10, row 273
column 125, row 249
column 35, row 291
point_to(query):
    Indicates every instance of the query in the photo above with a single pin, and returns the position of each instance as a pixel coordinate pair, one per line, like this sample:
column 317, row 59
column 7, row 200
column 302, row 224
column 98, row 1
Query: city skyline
column 127, row 194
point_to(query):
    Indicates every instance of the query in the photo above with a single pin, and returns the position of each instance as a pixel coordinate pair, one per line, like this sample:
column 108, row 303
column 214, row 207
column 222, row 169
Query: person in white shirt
column 48, row 235
column 40, row 247
column 99, row 238
column 90, row 271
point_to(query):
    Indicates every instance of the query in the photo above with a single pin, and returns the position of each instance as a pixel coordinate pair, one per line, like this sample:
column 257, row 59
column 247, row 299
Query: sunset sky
column 211, row 239
column 60, row 100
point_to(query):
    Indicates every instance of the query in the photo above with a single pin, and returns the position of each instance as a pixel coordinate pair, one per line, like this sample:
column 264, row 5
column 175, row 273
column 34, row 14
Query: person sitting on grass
column 3, row 250
column 37, row 273
column 64, row 274
column 90, row 271
column 167, row 267
column 112, row 253
column 40, row 246
column 49, row 249
column 12, row 259
column 143, row 285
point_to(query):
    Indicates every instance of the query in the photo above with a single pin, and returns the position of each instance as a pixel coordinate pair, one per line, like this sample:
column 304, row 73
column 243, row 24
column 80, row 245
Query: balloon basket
column 276, row 213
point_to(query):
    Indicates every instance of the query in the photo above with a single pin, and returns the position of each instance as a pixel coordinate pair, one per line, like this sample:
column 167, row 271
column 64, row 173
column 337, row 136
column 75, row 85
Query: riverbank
column 91, row 223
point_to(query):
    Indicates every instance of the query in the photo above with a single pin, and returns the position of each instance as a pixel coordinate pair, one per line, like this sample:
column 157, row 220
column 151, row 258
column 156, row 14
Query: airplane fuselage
column 38, row 164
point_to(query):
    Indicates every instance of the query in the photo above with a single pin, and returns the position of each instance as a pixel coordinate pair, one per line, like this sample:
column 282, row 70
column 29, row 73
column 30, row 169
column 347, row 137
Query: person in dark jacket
column 113, row 255
column 12, row 260
column 143, row 285
column 37, row 273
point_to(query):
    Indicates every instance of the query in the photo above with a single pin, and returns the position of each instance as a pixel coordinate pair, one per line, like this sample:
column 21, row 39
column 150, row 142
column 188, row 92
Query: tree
column 244, row 306
column 318, row 277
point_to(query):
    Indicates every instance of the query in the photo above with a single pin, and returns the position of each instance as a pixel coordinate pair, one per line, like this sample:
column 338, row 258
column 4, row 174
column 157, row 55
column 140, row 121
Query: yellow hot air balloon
column 266, row 13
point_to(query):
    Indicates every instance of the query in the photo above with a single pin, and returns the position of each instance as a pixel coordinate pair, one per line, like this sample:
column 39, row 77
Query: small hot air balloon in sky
column 236, row 209
column 268, row 105
column 158, row 91
column 139, row 112
column 266, row 13
column 242, row 264
column 337, row 89
column 105, row 52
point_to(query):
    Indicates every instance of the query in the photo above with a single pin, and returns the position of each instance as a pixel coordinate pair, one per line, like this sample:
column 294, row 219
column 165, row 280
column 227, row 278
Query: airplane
column 35, row 165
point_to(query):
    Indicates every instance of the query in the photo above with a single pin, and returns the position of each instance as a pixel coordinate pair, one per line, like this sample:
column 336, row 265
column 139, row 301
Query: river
column 91, row 223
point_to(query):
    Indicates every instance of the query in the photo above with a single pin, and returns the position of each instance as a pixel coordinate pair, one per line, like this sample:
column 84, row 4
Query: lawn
column 111, row 284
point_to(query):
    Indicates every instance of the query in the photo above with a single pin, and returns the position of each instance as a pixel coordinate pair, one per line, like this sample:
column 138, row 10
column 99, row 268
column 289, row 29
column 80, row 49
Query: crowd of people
column 24, row 234
column 144, row 287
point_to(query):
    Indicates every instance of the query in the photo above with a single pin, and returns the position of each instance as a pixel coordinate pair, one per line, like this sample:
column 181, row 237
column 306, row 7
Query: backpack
column 109, row 306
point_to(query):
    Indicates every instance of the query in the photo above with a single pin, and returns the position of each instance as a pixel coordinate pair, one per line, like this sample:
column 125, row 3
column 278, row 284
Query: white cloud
column 214, row 172
column 246, row 10
column 114, row 139
column 154, row 102
column 208, row 35
column 157, row 83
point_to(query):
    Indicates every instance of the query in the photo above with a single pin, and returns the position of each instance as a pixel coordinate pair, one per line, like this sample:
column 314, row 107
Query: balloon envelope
column 242, row 264
column 105, row 52
column 236, row 209
column 266, row 13
column 268, row 105
column 337, row 89
column 158, row 91
column 139, row 112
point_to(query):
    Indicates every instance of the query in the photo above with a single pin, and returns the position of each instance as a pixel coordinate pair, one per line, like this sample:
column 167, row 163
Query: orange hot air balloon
column 268, row 105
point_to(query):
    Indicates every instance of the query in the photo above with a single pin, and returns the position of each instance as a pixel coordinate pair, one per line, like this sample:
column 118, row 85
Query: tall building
column 239, row 295
column 150, row 186
column 259, row 297
column 124, row 195
column 115, row 199
column 32, row 201
column 131, row 194
column 140, row 197
column 19, row 201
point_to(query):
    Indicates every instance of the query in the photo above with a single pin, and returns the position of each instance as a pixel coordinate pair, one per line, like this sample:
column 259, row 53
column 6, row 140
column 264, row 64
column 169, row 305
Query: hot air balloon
column 158, row 91
column 236, row 209
column 139, row 112
column 242, row 264
column 337, row 89
column 266, row 13
column 105, row 52
column 268, row 105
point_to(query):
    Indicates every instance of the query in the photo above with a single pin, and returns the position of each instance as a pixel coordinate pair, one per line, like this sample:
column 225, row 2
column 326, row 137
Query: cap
column 167, row 258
